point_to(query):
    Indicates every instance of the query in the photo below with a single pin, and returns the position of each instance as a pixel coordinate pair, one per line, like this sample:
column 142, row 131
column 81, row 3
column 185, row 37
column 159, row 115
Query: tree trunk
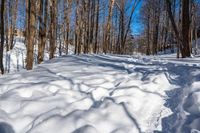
column 174, row 26
column 92, row 22
column 6, row 31
column 156, row 29
column 12, row 36
column 67, row 15
column 97, row 27
column 53, row 12
column 2, row 36
column 185, row 50
column 122, row 19
column 42, row 29
column 108, row 27
column 148, row 35
column 30, row 33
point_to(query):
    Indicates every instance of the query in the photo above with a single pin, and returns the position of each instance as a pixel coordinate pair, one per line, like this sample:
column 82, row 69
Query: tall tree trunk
column 77, row 28
column 174, row 26
column 156, row 29
column 122, row 15
column 108, row 27
column 2, row 36
column 192, row 25
column 179, row 25
column 53, row 12
column 42, row 29
column 6, row 31
column 185, row 50
column 87, row 37
column 92, row 22
column 166, row 33
column 15, row 10
column 196, row 41
column 67, row 15
column 148, row 35
column 31, row 19
column 97, row 27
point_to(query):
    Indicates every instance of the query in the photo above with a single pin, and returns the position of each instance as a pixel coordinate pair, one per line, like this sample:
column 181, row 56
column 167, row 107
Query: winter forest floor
column 103, row 94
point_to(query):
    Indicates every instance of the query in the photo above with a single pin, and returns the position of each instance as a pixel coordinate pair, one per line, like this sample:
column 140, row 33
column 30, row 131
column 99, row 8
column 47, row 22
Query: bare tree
column 2, row 35
column 42, row 29
column 68, row 10
column 96, row 27
column 53, row 13
column 108, row 26
column 13, row 23
column 185, row 49
column 30, row 32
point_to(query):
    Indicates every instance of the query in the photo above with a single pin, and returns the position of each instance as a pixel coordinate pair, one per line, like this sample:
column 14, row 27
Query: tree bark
column 2, row 36
column 30, row 33
column 42, row 30
column 182, row 39
column 148, row 35
column 53, row 13
column 12, row 36
column 97, row 27
column 108, row 27
column 185, row 50
column 67, row 15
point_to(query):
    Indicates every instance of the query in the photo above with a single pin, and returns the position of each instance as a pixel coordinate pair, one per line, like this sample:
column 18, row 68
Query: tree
column 53, row 38
column 77, row 45
column 42, row 29
column 108, row 27
column 185, row 48
column 68, row 10
column 13, row 23
column 152, row 10
column 182, row 39
column 96, row 27
column 30, row 32
column 156, row 17
column 124, row 28
column 2, row 35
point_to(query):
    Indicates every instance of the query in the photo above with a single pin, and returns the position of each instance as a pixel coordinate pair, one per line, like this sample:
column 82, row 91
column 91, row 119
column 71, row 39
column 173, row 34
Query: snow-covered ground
column 103, row 94
column 15, row 59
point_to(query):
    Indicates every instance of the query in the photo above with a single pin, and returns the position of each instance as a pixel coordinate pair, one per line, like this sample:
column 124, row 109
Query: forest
column 99, row 66
column 100, row 26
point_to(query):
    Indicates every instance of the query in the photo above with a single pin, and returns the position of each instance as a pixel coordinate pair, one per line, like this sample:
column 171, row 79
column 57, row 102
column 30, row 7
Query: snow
column 15, row 59
column 103, row 94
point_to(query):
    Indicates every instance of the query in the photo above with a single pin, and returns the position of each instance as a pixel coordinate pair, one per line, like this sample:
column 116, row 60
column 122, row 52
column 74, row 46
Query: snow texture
column 103, row 94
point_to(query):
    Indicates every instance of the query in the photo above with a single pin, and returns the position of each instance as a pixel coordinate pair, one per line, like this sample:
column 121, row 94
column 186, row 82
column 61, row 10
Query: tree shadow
column 6, row 128
column 85, row 129
column 149, row 69
column 184, row 79
column 131, row 117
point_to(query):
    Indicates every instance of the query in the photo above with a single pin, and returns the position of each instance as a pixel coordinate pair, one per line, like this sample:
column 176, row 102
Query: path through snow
column 100, row 93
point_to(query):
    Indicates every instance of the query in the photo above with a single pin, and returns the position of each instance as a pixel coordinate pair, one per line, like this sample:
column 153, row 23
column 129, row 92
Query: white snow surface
column 103, row 94
column 15, row 59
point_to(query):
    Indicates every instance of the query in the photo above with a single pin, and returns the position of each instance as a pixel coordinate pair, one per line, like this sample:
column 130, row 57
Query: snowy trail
column 97, row 93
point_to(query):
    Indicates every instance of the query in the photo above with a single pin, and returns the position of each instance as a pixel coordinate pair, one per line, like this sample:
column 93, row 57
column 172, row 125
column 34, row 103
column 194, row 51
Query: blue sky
column 137, row 26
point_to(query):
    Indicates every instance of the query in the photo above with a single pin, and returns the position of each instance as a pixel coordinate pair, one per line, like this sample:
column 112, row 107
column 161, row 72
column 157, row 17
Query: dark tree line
column 171, row 24
column 89, row 26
